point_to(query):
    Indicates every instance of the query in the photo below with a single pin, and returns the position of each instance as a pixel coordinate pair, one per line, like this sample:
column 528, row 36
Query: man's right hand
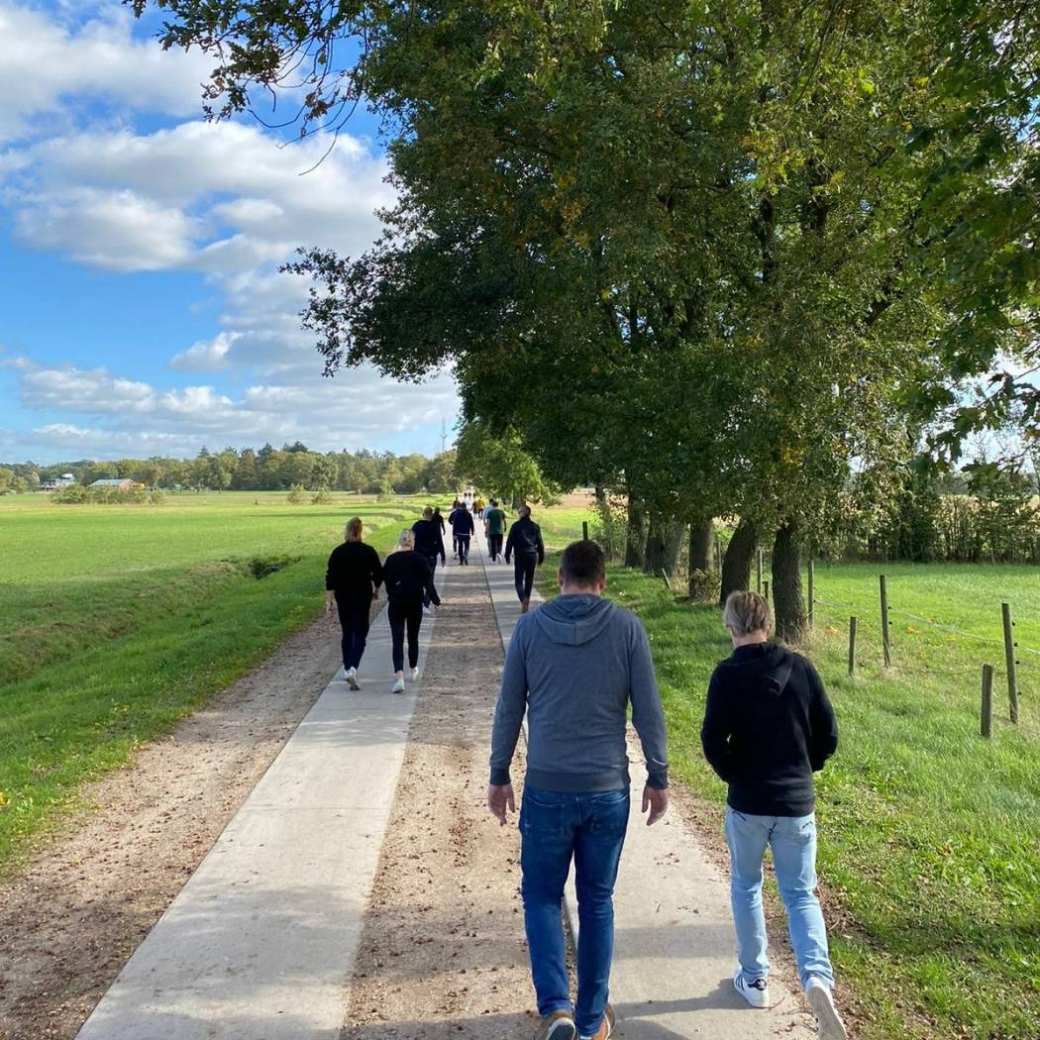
column 656, row 800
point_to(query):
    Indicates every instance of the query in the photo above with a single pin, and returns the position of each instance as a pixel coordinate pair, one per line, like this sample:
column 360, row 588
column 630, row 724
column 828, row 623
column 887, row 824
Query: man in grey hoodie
column 574, row 666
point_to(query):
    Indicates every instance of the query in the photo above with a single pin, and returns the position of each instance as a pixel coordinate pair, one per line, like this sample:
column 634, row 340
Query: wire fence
column 1009, row 658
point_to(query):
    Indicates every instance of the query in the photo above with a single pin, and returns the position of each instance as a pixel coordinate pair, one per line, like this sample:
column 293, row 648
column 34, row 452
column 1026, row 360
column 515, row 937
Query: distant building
column 122, row 483
column 65, row 480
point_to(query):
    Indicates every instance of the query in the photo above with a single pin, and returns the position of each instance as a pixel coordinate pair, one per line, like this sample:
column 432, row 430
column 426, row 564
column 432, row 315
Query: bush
column 322, row 497
column 296, row 494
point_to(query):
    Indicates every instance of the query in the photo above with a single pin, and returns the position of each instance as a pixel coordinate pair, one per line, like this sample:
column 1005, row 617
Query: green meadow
column 116, row 621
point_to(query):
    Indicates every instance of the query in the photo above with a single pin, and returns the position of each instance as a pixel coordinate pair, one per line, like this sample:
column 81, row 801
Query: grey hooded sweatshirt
column 574, row 665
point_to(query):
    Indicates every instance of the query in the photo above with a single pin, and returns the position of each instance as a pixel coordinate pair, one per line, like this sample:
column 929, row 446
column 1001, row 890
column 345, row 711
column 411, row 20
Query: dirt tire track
column 443, row 951
column 71, row 918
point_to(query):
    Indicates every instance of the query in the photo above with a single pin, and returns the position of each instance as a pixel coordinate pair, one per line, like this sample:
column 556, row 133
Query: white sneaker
column 398, row 686
column 415, row 674
column 828, row 1022
column 755, row 993
column 352, row 679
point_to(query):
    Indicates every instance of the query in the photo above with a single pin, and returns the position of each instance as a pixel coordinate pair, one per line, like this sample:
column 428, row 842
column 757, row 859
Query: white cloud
column 131, row 417
column 206, row 355
column 114, row 229
column 46, row 66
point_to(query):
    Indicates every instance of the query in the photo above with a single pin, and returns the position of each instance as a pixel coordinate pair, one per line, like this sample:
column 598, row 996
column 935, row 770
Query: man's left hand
column 656, row 800
column 500, row 799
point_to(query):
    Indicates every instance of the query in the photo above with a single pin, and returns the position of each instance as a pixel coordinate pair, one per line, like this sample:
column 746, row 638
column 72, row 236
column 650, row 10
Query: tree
column 6, row 479
column 498, row 465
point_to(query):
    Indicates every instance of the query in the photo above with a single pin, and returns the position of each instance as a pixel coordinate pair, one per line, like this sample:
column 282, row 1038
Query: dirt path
column 443, row 954
column 69, row 921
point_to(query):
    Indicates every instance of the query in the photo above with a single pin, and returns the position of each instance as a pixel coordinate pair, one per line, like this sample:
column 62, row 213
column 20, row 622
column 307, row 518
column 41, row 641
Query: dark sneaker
column 557, row 1026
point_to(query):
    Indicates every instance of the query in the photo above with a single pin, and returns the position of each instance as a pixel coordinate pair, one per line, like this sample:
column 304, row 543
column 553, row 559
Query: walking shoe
column 415, row 673
column 557, row 1026
column 606, row 1027
column 524, row 604
column 352, row 679
column 398, row 686
column 828, row 1022
column 755, row 993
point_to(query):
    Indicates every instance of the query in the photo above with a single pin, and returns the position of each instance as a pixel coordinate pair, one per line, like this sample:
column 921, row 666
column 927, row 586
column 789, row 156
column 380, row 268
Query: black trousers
column 353, row 620
column 432, row 561
column 405, row 616
column 463, row 540
column 495, row 545
column 523, row 574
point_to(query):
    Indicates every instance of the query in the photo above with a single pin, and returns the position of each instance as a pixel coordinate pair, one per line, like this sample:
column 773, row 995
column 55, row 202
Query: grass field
column 929, row 835
column 115, row 621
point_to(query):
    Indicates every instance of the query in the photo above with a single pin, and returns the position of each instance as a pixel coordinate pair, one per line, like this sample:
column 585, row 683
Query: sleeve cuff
column 658, row 779
column 500, row 777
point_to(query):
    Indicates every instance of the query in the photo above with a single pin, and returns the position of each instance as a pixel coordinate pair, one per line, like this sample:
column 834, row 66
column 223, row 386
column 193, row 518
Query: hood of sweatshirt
column 769, row 663
column 573, row 620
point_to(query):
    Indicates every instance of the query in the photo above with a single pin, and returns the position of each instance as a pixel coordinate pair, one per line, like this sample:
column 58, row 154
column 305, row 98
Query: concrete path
column 260, row 943
column 674, row 954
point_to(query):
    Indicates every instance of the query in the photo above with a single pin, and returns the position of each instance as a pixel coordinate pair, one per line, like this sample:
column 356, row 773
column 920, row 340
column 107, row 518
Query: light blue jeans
column 793, row 841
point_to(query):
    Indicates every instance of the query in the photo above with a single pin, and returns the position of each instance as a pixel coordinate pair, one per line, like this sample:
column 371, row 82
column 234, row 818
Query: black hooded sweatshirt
column 768, row 727
column 525, row 539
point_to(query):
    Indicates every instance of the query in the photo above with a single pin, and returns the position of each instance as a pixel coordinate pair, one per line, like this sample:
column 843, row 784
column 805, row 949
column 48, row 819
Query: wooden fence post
column 885, row 642
column 812, row 591
column 852, row 645
column 765, row 590
column 718, row 555
column 1009, row 657
column 758, row 573
column 986, row 722
column 585, row 530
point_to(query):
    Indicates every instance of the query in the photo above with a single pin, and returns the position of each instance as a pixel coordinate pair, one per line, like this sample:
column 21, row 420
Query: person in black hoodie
column 768, row 726
column 462, row 525
column 429, row 540
column 352, row 579
column 525, row 545
column 409, row 584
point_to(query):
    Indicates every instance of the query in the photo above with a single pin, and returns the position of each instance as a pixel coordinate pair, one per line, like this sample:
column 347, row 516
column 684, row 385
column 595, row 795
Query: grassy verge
column 929, row 835
column 74, row 717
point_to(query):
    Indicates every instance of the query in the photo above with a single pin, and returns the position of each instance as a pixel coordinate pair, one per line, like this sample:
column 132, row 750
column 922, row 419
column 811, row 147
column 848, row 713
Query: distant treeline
column 265, row 469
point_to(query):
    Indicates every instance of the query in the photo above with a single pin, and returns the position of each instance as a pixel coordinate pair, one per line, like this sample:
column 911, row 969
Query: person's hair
column 524, row 510
column 494, row 502
column 406, row 540
column 353, row 530
column 746, row 612
column 583, row 564
column 428, row 512
column 436, row 510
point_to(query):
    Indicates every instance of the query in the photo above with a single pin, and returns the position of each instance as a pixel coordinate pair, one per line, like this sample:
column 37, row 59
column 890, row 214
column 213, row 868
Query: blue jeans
column 555, row 826
column 793, row 841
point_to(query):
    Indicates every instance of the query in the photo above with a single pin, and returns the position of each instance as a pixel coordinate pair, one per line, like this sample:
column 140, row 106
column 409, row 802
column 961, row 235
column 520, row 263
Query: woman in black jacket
column 409, row 582
column 352, row 579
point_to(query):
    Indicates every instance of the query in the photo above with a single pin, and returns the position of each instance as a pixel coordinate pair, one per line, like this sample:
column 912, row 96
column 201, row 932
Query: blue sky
column 141, row 311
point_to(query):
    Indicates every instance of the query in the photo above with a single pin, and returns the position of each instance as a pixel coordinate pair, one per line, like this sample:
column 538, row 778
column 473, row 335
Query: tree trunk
column 702, row 533
column 635, row 543
column 663, row 544
column 788, row 601
column 736, row 564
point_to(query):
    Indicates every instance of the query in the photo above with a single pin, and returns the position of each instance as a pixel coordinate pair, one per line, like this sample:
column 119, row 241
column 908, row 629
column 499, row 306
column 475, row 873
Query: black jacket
column 525, row 539
column 768, row 727
column 354, row 571
column 408, row 576
column 461, row 521
column 428, row 540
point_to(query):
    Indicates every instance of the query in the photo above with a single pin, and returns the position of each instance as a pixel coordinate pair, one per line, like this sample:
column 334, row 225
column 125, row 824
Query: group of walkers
column 355, row 573
column 574, row 668
column 352, row 580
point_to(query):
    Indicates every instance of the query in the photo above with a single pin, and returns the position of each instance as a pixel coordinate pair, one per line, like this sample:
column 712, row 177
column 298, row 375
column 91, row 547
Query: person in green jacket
column 494, row 529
